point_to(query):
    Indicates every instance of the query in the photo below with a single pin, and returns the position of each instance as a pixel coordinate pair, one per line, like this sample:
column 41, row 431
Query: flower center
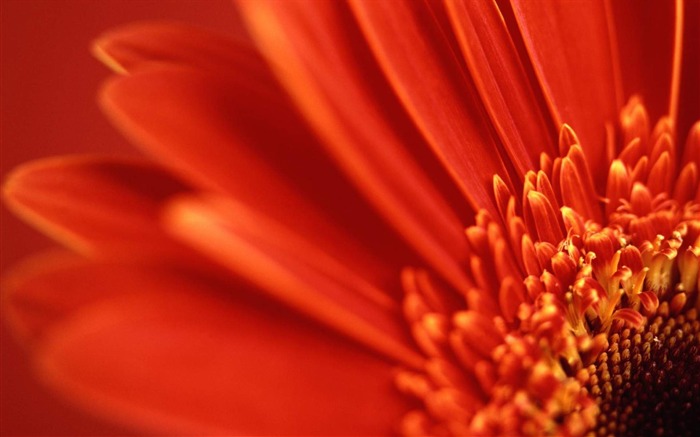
column 648, row 380
column 582, row 311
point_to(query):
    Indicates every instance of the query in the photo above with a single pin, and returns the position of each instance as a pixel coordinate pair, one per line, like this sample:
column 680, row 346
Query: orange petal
column 185, row 119
column 545, row 217
column 691, row 150
column 576, row 185
column 544, row 186
column 420, row 64
column 571, row 51
column 529, row 256
column 618, row 186
column 510, row 295
column 500, row 77
column 133, row 47
column 32, row 295
column 479, row 331
column 95, row 204
column 640, row 199
column 39, row 292
column 293, row 270
column 664, row 144
column 631, row 317
column 635, row 124
column 649, row 300
column 686, row 184
column 503, row 195
column 660, row 175
column 176, row 352
column 337, row 89
column 218, row 134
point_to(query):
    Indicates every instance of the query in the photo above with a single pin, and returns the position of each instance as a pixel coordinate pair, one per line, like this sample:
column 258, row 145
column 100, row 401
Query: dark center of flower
column 648, row 380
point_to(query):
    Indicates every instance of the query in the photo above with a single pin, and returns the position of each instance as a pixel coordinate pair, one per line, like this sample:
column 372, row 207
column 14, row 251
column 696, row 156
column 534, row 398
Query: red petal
column 180, row 353
column 479, row 331
column 545, row 217
column 686, row 184
column 689, row 105
column 184, row 118
column 576, row 185
column 524, row 127
column 618, row 186
column 219, row 134
column 95, row 204
column 564, row 268
column 137, row 46
column 309, row 278
column 529, row 256
column 645, row 37
column 510, row 295
column 571, row 51
column 502, row 195
column 649, row 300
column 661, row 175
column 425, row 72
column 633, row 318
column 691, row 150
column 32, row 297
column 317, row 57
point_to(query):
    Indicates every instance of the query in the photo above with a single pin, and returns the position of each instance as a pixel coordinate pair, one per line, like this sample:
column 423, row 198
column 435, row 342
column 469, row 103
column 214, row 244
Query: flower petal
column 134, row 47
column 185, row 117
column 572, row 54
column 689, row 105
column 424, row 70
column 645, row 36
column 331, row 77
column 307, row 277
column 500, row 77
column 95, row 204
column 30, row 299
column 168, row 350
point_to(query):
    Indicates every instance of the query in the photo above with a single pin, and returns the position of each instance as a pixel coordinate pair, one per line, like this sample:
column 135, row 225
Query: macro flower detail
column 415, row 218
column 574, row 322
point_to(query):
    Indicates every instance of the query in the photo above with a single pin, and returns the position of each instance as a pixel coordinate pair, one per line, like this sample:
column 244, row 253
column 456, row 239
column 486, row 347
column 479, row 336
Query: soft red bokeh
column 49, row 83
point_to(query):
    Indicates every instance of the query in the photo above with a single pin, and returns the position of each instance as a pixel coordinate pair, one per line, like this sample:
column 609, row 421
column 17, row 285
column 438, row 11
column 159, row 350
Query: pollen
column 581, row 317
column 648, row 380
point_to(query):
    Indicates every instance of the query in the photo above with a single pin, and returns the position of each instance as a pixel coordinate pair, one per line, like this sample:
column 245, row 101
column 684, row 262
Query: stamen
column 570, row 316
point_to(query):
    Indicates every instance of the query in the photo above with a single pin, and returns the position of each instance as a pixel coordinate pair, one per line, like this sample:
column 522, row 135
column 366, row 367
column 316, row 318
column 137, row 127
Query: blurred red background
column 49, row 83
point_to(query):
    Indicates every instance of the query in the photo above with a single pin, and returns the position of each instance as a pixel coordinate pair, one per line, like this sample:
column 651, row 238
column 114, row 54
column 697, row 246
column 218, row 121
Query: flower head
column 431, row 218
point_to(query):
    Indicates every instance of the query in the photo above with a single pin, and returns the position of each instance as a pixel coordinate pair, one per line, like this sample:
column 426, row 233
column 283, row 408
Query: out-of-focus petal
column 33, row 301
column 95, row 204
column 690, row 85
column 425, row 71
column 166, row 350
column 498, row 73
column 191, row 122
column 327, row 70
column 572, row 54
column 134, row 47
column 644, row 33
column 306, row 275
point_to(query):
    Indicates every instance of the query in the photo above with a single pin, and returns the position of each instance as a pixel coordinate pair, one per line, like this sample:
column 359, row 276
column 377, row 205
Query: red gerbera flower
column 292, row 259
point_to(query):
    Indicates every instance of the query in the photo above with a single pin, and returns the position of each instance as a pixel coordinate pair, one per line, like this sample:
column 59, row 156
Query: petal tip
column 101, row 49
column 18, row 181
